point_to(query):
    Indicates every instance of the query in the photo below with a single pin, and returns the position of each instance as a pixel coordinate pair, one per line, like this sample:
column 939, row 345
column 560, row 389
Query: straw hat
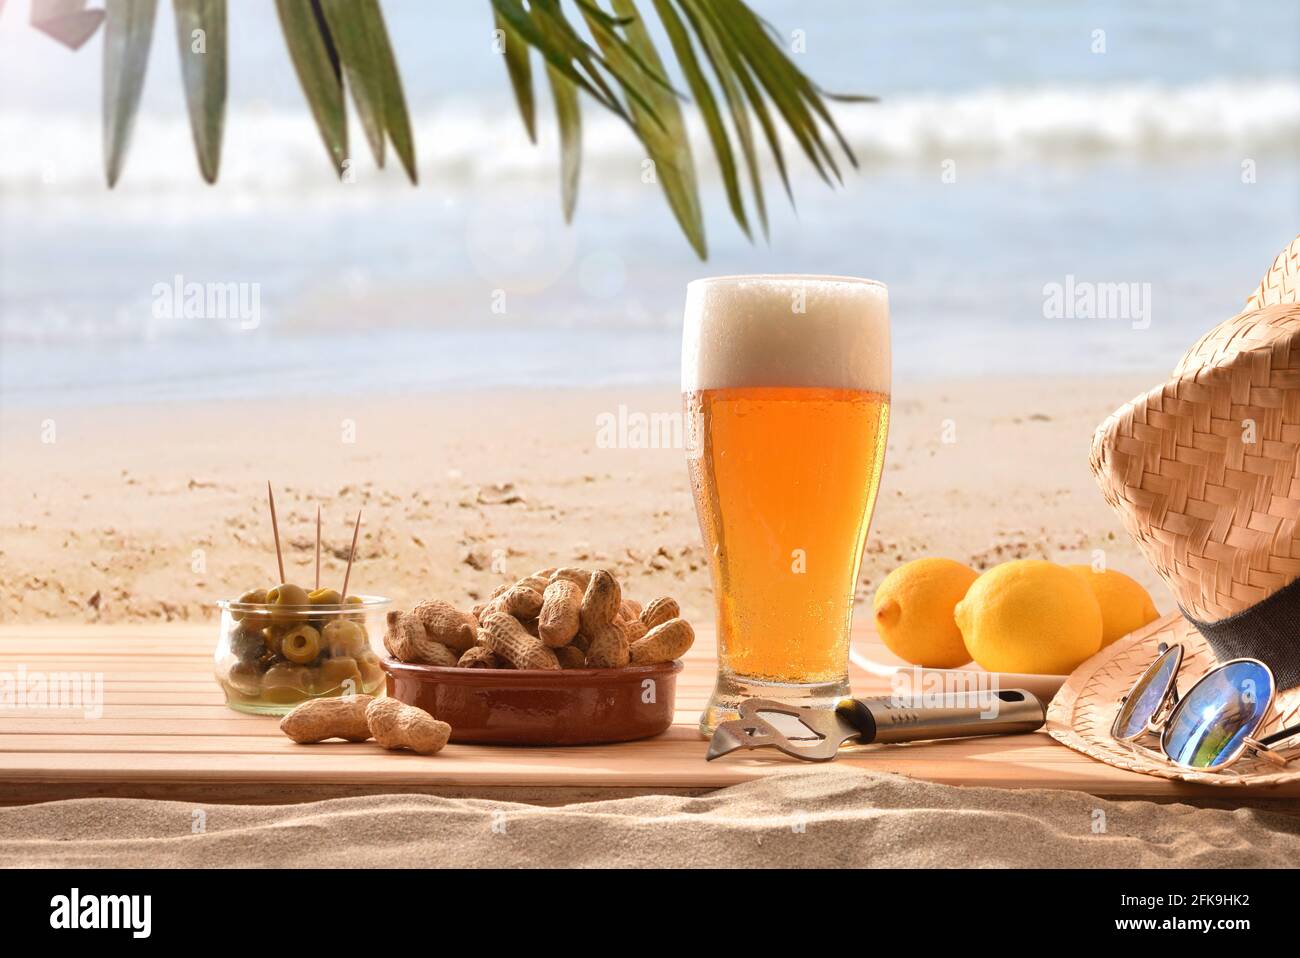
column 1204, row 471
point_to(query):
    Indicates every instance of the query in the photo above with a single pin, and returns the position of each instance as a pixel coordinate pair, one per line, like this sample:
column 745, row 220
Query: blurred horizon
column 1005, row 156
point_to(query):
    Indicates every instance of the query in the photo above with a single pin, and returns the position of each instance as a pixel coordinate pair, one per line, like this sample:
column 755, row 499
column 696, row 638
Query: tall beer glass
column 786, row 387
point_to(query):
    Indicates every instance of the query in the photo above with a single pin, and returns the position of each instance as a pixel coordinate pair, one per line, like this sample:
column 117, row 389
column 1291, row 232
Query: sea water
column 1016, row 154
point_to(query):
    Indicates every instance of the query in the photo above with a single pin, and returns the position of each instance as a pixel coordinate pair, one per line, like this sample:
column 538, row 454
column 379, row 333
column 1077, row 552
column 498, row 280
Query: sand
column 152, row 513
column 827, row 816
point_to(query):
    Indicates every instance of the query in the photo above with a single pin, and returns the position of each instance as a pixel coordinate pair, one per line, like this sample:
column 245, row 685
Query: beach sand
column 123, row 513
column 828, row 816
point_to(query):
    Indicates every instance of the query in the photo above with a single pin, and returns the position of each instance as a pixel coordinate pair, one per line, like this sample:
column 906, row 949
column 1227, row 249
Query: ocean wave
column 269, row 153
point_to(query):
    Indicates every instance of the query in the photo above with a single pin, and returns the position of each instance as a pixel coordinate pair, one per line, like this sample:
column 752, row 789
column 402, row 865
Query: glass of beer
column 786, row 387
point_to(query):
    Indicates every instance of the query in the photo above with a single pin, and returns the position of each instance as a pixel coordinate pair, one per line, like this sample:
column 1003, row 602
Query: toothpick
column 318, row 548
column 351, row 553
column 275, row 531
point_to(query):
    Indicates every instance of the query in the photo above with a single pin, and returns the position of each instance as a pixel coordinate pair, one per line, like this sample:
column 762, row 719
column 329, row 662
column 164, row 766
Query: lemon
column 1030, row 616
column 1125, row 605
column 914, row 612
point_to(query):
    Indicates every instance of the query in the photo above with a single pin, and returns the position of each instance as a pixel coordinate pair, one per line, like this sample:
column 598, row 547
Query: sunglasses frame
column 1159, row 722
column 1159, row 714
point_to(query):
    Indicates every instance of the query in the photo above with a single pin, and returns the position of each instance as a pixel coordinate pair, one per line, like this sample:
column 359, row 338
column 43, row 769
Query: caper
column 300, row 644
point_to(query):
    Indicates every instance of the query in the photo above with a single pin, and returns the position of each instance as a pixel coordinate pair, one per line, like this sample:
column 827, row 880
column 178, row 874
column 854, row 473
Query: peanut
column 508, row 639
column 521, row 601
column 446, row 624
column 660, row 611
column 609, row 648
column 633, row 629
column 663, row 643
column 631, row 609
column 318, row 719
column 600, row 603
column 561, row 605
column 407, row 640
column 544, row 573
column 571, row 657
column 579, row 577
column 397, row 725
column 537, row 583
column 479, row 658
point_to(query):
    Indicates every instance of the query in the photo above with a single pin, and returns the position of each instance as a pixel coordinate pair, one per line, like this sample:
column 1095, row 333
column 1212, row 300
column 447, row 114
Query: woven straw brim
column 1083, row 711
column 1281, row 284
column 1203, row 470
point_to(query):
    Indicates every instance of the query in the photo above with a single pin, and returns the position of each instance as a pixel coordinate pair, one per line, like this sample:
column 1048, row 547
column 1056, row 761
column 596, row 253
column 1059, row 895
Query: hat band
column 1268, row 631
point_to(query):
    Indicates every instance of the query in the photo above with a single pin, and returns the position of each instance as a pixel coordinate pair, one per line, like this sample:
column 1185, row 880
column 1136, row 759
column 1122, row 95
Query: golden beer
column 788, row 415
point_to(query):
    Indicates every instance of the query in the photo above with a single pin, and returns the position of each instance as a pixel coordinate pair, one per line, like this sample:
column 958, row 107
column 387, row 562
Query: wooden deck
column 165, row 732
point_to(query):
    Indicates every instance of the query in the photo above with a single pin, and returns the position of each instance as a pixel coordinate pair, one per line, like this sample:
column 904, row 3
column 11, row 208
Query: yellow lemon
column 1125, row 605
column 914, row 612
column 1030, row 616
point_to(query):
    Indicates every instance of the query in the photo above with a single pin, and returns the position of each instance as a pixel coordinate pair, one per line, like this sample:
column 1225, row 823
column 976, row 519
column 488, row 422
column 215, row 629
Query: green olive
column 300, row 644
column 286, row 684
column 287, row 597
column 372, row 672
column 243, row 679
column 251, row 597
column 324, row 597
column 344, row 638
column 338, row 675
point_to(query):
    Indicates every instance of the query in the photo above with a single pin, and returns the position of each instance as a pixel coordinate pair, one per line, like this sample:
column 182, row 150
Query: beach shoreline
column 143, row 513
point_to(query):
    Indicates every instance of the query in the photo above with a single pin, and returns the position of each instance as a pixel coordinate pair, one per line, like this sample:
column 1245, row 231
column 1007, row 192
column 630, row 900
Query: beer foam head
column 786, row 331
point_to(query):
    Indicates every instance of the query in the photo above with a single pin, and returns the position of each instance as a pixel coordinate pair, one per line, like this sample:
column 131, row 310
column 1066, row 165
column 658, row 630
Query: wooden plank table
column 165, row 732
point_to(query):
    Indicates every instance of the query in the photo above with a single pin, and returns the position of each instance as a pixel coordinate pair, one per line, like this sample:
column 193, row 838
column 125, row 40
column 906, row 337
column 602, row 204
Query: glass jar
column 272, row 657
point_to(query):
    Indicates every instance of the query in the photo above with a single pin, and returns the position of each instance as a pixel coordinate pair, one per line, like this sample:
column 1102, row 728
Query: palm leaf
column 348, row 30
column 341, row 49
column 568, row 116
column 319, row 72
column 521, row 21
column 204, row 74
column 128, row 33
column 666, row 141
column 708, row 107
column 520, row 69
column 396, row 120
column 766, row 69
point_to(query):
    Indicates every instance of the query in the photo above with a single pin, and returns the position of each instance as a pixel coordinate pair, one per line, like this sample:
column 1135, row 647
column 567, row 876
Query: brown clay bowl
column 537, row 707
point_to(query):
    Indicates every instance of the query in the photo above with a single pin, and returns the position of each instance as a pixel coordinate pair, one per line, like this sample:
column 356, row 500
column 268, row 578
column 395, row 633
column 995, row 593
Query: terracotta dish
column 537, row 707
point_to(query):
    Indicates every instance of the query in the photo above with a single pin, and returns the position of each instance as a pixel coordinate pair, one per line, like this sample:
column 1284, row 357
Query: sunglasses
column 1211, row 726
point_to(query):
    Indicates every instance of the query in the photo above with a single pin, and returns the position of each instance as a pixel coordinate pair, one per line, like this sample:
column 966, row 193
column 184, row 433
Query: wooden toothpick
column 351, row 553
column 275, row 530
column 318, row 548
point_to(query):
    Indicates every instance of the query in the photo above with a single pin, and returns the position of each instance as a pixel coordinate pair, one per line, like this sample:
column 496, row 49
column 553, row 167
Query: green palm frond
column 735, row 70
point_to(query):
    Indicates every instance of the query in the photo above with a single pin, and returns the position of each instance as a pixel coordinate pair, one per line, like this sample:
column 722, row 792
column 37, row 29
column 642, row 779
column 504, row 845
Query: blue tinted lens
column 1147, row 696
column 1207, row 727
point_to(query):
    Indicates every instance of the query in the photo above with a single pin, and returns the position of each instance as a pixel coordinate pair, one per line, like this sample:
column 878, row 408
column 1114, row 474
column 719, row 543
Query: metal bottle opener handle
column 816, row 735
